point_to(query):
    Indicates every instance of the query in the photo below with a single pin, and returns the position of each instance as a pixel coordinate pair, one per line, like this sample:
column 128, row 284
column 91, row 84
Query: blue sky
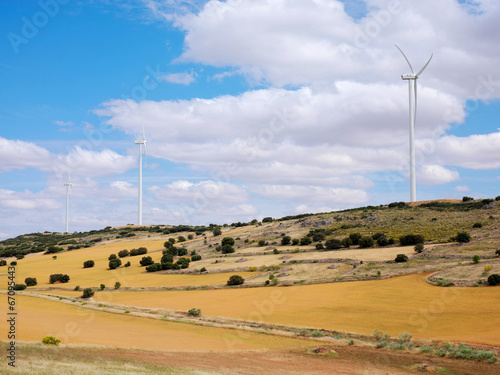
column 251, row 108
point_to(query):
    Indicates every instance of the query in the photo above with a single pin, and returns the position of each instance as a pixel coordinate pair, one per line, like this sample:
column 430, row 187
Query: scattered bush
column 227, row 249
column 304, row 241
column 102, row 286
column 497, row 252
column 217, row 232
column 227, row 241
column 123, row 253
column 476, row 258
column 118, row 285
column 183, row 262
column 467, row 199
column 3, row 262
column 319, row 246
column 30, row 281
column 462, row 237
column 87, row 293
column 50, row 340
column 411, row 239
column 286, row 240
column 494, row 279
column 114, row 263
column 194, row 258
column 88, row 264
column 333, row 244
column 235, row 280
column 127, row 264
column 146, row 261
column 486, row 269
column 262, row 243
column 316, row 334
column 267, row 220
column 419, row 247
column 58, row 277
column 182, row 251
column 382, row 241
column 355, row 237
column 77, row 288
column 112, row 256
column 295, row 241
column 194, row 312
column 181, row 239
column 154, row 267
column 365, row 242
column 477, row 225
column 19, row 286
column 400, row 258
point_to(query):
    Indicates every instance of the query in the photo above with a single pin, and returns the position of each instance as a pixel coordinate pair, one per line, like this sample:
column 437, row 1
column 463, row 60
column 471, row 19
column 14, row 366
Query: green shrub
column 286, row 240
column 3, row 262
column 316, row 334
column 267, row 220
column 419, row 247
column 355, row 237
column 400, row 258
column 477, row 225
column 154, row 267
column 50, row 340
column 382, row 241
column 112, row 256
column 194, row 258
column 494, row 279
column 411, row 239
column 58, row 277
column 30, row 281
column 467, row 199
column 227, row 249
column 102, row 286
column 77, row 288
column 194, row 312
column 19, row 286
column 181, row 251
column 235, row 280
column 123, row 253
column 346, row 242
column 227, row 241
column 118, row 285
column 295, row 241
column 304, row 241
column 319, row 246
column 181, row 239
column 262, row 243
column 183, row 262
column 88, row 264
column 462, row 237
column 87, row 293
column 167, row 258
column 476, row 258
column 114, row 263
column 333, row 244
column 146, row 261
column 127, row 264
column 365, row 242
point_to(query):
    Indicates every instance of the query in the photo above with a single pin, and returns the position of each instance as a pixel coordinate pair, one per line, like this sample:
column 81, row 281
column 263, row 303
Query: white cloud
column 21, row 155
column 180, row 78
column 27, row 200
column 462, row 188
column 63, row 123
column 436, row 174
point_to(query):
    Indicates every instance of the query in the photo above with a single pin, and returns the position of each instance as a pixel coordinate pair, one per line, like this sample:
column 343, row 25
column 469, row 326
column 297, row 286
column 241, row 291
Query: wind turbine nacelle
column 407, row 77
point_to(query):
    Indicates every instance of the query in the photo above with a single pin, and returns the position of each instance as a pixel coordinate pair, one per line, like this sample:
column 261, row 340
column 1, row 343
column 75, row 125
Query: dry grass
column 472, row 272
column 395, row 305
column 39, row 318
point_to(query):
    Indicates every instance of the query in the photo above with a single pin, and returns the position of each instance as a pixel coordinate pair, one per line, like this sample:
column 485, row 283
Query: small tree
column 235, row 280
column 419, row 247
column 494, row 279
column 227, row 241
column 30, row 281
column 167, row 258
column 262, row 243
column 333, row 244
column 114, row 263
column 400, row 258
column 127, row 264
column 194, row 312
column 87, row 293
column 463, row 237
column 286, row 240
column 19, row 286
column 346, row 242
column 355, row 237
column 217, row 231
column 366, row 241
column 118, row 285
column 476, row 258
column 267, row 220
column 181, row 239
column 102, row 286
column 227, row 249
column 146, row 261
column 304, row 241
column 182, row 251
column 123, row 253
column 194, row 258
column 295, row 241
column 50, row 340
column 88, row 264
column 112, row 256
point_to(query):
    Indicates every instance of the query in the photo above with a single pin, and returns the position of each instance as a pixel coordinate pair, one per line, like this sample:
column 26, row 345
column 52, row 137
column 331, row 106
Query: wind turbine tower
column 68, row 185
column 140, row 142
column 412, row 88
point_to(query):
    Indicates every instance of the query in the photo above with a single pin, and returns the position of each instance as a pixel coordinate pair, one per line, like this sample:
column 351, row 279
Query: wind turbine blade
column 425, row 66
column 408, row 61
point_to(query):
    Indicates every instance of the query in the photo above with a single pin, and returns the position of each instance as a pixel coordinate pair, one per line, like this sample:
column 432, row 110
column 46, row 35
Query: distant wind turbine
column 412, row 80
column 68, row 185
column 141, row 142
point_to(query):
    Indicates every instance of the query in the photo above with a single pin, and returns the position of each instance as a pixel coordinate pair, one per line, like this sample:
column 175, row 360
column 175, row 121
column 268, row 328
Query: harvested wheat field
column 38, row 318
column 401, row 304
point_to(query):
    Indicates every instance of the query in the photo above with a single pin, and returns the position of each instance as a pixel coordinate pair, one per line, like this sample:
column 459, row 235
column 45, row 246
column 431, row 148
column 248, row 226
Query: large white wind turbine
column 412, row 81
column 141, row 142
column 68, row 185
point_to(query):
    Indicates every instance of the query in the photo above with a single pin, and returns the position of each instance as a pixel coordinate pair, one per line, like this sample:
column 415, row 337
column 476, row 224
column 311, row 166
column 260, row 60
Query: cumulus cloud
column 17, row 154
column 462, row 188
column 436, row 174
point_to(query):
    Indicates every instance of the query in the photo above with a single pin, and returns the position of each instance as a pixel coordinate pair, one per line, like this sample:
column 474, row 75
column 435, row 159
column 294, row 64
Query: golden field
column 38, row 318
column 401, row 304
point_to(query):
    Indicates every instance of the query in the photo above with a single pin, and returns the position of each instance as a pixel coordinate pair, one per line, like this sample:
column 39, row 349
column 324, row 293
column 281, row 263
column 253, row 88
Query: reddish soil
column 350, row 360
